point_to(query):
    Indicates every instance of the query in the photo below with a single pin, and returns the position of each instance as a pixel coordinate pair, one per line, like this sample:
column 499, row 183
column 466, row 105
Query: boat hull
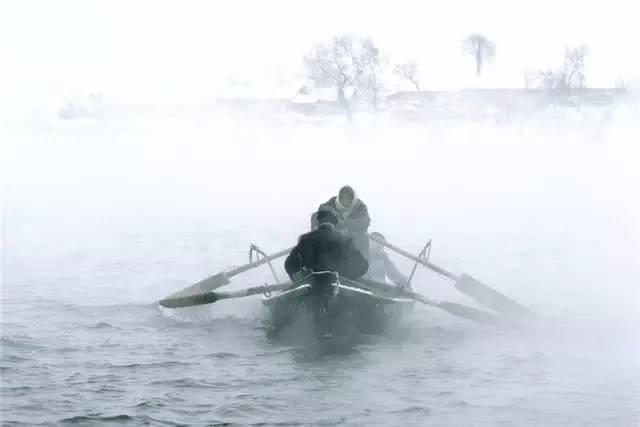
column 337, row 309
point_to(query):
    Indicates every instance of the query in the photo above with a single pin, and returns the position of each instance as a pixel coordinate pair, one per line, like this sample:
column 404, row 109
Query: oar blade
column 206, row 285
column 490, row 297
column 189, row 300
column 464, row 311
column 211, row 297
column 471, row 313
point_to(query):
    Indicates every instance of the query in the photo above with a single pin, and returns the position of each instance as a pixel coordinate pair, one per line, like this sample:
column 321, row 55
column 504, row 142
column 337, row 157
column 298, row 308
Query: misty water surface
column 100, row 221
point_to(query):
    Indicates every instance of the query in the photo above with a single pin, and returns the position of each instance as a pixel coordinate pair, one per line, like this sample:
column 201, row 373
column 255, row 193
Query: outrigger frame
column 203, row 291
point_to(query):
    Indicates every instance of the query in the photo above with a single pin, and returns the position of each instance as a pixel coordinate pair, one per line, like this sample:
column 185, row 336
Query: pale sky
column 185, row 48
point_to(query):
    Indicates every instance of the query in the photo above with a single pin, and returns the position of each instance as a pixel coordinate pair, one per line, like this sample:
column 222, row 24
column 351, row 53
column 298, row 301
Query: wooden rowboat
column 337, row 309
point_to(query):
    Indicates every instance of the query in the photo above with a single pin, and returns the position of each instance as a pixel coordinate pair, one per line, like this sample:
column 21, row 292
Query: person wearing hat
column 353, row 217
column 325, row 249
column 381, row 267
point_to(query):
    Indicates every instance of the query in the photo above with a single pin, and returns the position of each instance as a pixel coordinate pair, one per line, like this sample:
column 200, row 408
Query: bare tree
column 371, row 84
column 574, row 66
column 410, row 71
column 346, row 61
column 571, row 75
column 551, row 79
column 481, row 48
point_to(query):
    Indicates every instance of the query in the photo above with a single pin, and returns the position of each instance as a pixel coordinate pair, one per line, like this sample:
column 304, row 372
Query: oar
column 468, row 285
column 454, row 308
column 211, row 297
column 461, row 310
column 223, row 277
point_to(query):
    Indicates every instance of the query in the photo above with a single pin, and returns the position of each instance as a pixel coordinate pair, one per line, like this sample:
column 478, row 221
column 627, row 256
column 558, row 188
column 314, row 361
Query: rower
column 353, row 217
column 381, row 267
column 325, row 249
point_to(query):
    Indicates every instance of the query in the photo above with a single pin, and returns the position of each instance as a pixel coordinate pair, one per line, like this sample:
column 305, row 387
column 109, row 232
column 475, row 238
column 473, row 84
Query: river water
column 101, row 221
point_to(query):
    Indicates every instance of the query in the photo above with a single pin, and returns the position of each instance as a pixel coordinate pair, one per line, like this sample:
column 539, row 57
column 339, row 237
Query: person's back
column 325, row 249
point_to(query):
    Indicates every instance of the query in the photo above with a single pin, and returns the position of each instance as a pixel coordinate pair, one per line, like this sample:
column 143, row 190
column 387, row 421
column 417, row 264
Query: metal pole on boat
column 254, row 248
column 423, row 254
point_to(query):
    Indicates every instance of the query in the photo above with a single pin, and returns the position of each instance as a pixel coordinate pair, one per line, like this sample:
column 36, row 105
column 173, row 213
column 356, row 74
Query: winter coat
column 326, row 249
column 381, row 267
column 353, row 222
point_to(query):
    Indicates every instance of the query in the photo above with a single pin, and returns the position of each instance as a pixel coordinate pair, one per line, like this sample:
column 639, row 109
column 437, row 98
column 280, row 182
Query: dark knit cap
column 327, row 215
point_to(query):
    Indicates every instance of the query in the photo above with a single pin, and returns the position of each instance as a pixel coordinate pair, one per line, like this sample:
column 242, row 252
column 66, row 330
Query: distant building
column 320, row 100
column 247, row 97
column 495, row 103
column 464, row 104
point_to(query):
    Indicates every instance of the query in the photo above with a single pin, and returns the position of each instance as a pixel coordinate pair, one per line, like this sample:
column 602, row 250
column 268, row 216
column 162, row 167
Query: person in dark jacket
column 325, row 249
column 381, row 267
column 353, row 217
